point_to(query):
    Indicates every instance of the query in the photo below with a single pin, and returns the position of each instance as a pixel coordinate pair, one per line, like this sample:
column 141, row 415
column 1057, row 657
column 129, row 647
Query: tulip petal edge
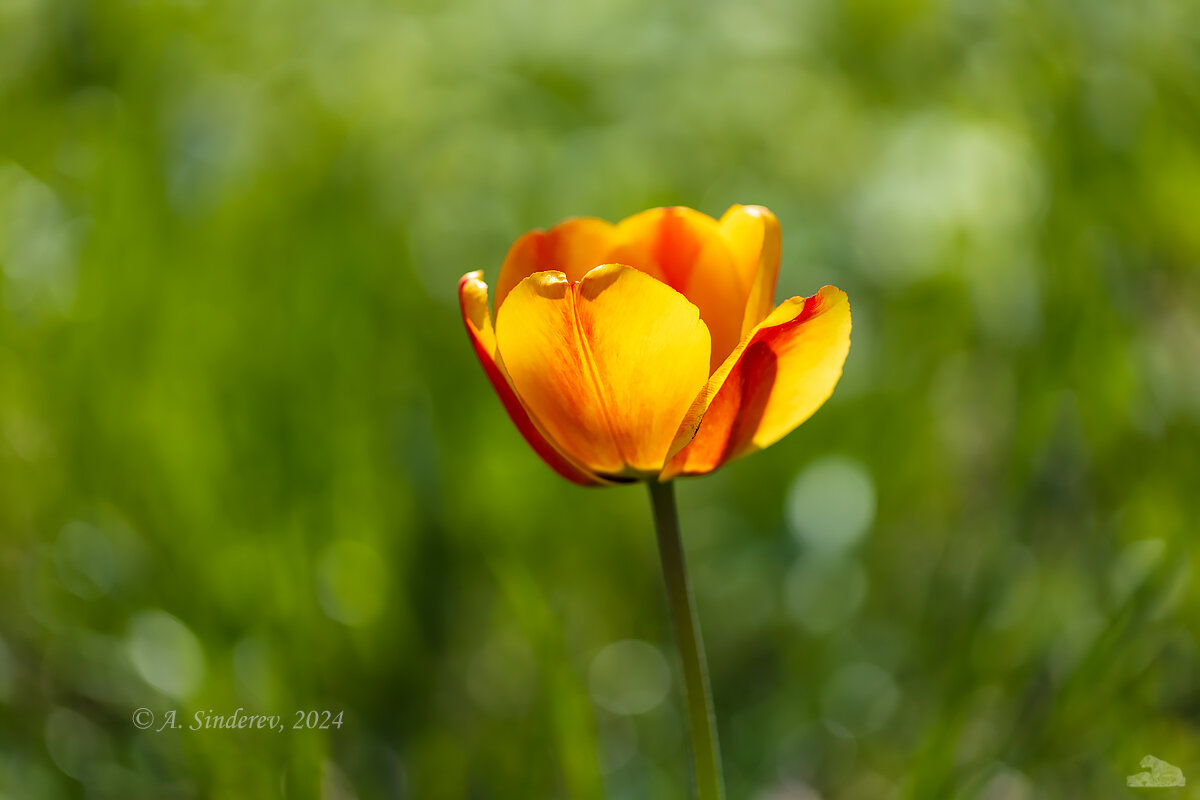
column 776, row 379
column 472, row 295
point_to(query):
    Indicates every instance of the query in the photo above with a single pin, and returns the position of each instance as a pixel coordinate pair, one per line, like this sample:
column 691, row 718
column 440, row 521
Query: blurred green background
column 248, row 459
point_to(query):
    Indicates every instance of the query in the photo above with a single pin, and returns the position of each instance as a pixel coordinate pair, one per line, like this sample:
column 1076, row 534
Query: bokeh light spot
column 350, row 580
column 165, row 653
column 38, row 248
column 75, row 744
column 254, row 667
column 84, row 559
column 8, row 672
column 502, row 675
column 859, row 699
column 824, row 593
column 831, row 504
column 629, row 677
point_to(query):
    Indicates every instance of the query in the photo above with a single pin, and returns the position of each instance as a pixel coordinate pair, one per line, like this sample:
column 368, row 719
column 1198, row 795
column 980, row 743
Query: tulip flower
column 650, row 349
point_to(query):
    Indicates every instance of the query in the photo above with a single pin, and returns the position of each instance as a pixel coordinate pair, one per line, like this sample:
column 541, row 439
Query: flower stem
column 702, row 721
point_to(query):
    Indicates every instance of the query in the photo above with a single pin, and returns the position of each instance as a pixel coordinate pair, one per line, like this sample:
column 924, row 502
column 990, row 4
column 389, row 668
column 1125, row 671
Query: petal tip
column 473, row 301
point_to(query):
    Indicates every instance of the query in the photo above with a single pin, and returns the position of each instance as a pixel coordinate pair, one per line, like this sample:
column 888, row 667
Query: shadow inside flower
column 758, row 370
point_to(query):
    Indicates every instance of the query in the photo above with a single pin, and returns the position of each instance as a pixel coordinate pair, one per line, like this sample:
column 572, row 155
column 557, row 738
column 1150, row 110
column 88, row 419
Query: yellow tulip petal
column 472, row 295
column 689, row 251
column 608, row 366
column 572, row 247
column 754, row 239
column 777, row 378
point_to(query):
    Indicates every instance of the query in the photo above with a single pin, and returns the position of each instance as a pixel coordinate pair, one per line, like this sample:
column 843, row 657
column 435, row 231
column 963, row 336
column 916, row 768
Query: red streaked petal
column 691, row 253
column 472, row 295
column 777, row 378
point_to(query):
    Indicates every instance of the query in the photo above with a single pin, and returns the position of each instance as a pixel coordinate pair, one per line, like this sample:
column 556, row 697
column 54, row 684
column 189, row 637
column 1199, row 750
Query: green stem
column 702, row 722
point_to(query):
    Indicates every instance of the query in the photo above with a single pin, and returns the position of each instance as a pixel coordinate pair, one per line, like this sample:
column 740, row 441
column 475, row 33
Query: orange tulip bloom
column 650, row 348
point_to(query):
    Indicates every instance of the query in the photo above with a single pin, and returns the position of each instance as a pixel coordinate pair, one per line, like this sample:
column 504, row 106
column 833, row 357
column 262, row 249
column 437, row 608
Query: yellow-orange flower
column 651, row 348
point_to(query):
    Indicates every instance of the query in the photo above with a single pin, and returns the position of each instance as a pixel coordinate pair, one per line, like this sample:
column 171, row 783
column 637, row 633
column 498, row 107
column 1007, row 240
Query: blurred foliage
column 247, row 458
